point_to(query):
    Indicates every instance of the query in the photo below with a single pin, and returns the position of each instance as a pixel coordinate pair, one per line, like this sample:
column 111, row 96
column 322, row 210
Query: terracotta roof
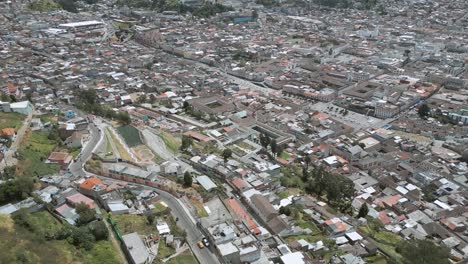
column 79, row 198
column 197, row 136
column 8, row 131
column 240, row 183
column 90, row 183
column 58, row 156
column 239, row 211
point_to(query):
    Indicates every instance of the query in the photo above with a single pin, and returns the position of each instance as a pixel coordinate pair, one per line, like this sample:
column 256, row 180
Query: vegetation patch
column 131, row 135
column 183, row 258
column 40, row 238
column 13, row 120
column 134, row 223
column 32, row 154
column 172, row 143
column 120, row 148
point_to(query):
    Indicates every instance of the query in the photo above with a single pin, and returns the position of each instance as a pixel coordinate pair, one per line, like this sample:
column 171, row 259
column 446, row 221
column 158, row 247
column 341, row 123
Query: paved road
column 76, row 168
column 186, row 221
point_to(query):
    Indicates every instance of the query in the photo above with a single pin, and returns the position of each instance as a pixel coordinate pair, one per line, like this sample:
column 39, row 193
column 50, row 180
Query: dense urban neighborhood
column 234, row 131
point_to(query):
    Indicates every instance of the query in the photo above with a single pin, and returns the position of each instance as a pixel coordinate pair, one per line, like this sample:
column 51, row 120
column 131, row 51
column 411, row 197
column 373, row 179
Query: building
column 24, row 107
column 61, row 158
column 263, row 207
column 135, row 249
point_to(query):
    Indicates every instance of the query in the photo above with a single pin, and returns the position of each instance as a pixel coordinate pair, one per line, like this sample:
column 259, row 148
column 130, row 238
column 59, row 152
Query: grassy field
column 201, row 212
column 164, row 251
column 123, row 153
column 32, row 153
column 134, row 223
column 183, row 258
column 172, row 143
column 131, row 135
column 13, row 120
column 26, row 246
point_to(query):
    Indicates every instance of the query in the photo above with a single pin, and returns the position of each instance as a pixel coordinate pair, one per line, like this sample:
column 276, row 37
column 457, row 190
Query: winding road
column 186, row 220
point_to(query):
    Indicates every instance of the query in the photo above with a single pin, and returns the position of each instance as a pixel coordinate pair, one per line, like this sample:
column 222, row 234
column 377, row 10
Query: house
column 263, row 207
column 77, row 198
column 69, row 114
column 171, row 168
column 61, row 158
column 335, row 226
column 135, row 249
column 8, row 133
column 23, row 107
column 74, row 141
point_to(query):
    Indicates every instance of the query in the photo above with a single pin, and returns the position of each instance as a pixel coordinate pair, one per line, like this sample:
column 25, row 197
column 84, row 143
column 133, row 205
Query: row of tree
column 88, row 102
column 266, row 141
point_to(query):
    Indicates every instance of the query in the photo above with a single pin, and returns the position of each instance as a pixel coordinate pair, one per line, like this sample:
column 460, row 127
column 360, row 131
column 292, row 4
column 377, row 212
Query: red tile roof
column 90, row 183
column 239, row 211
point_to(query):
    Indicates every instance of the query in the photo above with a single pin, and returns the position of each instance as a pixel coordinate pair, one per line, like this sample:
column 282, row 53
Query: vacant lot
column 172, row 143
column 33, row 151
column 13, row 120
column 131, row 135
column 134, row 223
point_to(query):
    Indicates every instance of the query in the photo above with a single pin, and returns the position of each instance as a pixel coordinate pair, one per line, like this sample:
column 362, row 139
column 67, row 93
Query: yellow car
column 200, row 244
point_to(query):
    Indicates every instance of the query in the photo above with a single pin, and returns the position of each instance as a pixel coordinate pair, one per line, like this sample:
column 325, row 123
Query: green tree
column 363, row 211
column 188, row 179
column 264, row 140
column 124, row 118
column 274, row 147
column 4, row 97
column 186, row 106
column 307, row 160
column 186, row 143
column 142, row 99
column 227, row 153
column 68, row 5
column 86, row 214
column 286, row 210
column 99, row 230
column 150, row 218
column 423, row 252
column 82, row 237
column 423, row 111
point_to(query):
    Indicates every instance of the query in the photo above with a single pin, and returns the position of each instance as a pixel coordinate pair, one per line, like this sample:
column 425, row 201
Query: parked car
column 206, row 242
column 200, row 244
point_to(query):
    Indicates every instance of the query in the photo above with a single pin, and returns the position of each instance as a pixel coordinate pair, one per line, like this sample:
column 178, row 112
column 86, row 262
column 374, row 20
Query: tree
column 286, row 210
column 274, row 147
column 4, row 97
column 363, row 211
column 29, row 97
column 227, row 153
column 188, row 179
column 186, row 143
column 264, row 140
column 307, row 160
column 86, row 214
column 423, row 252
column 99, row 230
column 124, row 118
column 68, row 5
column 82, row 237
column 142, row 99
column 186, row 106
column 150, row 218
column 423, row 111
column 12, row 98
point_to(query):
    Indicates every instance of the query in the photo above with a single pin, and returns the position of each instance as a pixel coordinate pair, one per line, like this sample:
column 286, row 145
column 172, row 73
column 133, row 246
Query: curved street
column 186, row 221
